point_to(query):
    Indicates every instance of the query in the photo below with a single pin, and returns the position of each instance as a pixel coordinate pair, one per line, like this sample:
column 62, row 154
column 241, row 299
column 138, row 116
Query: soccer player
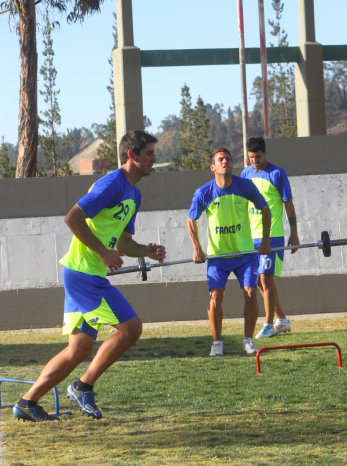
column 273, row 183
column 102, row 223
column 225, row 200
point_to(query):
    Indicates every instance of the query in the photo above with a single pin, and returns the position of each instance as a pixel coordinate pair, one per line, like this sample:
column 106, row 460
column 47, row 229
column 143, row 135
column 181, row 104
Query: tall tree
column 335, row 83
column 7, row 169
column 24, row 12
column 49, row 141
column 194, row 132
column 108, row 149
column 281, row 83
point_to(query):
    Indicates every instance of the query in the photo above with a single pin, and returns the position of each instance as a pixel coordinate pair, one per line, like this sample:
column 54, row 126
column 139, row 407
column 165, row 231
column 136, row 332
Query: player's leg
column 251, row 310
column 215, row 313
column 269, row 265
column 247, row 274
column 112, row 349
column 217, row 277
column 113, row 309
column 56, row 370
column 269, row 293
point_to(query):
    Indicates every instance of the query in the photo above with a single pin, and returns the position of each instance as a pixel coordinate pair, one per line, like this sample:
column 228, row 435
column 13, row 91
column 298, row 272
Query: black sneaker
column 85, row 401
column 34, row 414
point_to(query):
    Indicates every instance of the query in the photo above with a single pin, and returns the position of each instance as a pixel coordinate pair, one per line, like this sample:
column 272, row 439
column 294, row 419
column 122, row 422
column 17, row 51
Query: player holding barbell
column 225, row 201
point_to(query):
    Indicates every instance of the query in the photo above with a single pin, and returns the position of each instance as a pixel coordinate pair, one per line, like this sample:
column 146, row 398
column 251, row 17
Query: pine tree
column 7, row 169
column 51, row 118
column 108, row 149
column 335, row 83
column 281, row 84
column 194, row 132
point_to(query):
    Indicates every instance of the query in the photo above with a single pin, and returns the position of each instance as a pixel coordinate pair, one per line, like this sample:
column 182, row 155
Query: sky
column 82, row 52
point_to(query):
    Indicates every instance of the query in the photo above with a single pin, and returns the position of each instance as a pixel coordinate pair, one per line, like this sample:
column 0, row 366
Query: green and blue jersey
column 274, row 185
column 110, row 205
column 227, row 214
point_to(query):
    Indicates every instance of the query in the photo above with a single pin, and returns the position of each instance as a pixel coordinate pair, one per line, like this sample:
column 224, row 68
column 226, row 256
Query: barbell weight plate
column 326, row 244
column 143, row 270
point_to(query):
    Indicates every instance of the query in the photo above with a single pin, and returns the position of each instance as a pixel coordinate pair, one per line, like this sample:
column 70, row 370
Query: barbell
column 325, row 243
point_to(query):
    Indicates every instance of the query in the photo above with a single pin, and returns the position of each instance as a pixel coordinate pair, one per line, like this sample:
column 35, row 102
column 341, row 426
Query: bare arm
column 76, row 221
column 293, row 238
column 128, row 246
column 198, row 255
column 264, row 248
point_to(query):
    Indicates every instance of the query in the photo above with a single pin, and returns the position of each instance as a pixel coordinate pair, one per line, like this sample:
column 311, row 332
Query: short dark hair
column 224, row 150
column 134, row 140
column 256, row 144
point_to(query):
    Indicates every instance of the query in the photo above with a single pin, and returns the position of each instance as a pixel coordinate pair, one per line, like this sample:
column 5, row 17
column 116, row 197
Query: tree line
column 186, row 140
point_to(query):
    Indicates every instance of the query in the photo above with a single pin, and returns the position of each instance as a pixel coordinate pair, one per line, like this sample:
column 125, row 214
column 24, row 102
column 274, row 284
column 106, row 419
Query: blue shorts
column 91, row 302
column 244, row 267
column 272, row 263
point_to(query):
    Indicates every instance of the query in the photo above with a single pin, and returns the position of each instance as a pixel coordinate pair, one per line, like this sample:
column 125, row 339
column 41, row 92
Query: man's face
column 145, row 160
column 222, row 164
column 258, row 160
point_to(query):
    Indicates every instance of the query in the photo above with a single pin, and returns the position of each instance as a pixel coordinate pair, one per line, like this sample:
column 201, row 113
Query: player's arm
column 293, row 238
column 265, row 248
column 198, row 255
column 76, row 221
column 128, row 246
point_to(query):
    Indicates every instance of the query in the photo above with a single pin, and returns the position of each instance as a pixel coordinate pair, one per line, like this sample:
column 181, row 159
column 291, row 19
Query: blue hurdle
column 55, row 391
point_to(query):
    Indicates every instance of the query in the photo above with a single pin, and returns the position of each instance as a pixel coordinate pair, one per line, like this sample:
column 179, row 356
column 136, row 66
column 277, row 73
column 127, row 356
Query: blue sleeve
column 283, row 185
column 197, row 208
column 130, row 228
column 104, row 193
column 244, row 173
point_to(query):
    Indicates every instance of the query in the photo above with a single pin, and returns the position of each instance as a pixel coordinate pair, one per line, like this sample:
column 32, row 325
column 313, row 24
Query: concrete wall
column 33, row 236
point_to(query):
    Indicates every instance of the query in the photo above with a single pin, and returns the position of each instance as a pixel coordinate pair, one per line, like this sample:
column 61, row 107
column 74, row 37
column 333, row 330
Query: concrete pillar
column 309, row 79
column 127, row 74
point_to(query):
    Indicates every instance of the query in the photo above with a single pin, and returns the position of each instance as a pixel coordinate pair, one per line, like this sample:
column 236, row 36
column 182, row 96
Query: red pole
column 263, row 60
column 242, row 57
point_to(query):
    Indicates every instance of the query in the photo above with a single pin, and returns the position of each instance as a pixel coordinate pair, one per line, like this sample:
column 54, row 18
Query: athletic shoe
column 267, row 331
column 249, row 346
column 282, row 326
column 217, row 348
column 34, row 414
column 85, row 401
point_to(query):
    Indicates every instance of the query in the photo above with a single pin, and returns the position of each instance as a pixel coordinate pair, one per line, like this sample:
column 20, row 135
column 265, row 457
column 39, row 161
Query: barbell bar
column 325, row 244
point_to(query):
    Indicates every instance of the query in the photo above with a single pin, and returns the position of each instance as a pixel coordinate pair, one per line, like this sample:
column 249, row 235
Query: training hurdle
column 55, row 391
column 304, row 345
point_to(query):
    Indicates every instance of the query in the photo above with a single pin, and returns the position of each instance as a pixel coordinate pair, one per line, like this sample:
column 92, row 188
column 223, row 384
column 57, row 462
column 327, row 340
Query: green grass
column 167, row 402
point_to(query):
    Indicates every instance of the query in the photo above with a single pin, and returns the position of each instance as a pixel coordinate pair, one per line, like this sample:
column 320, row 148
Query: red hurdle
column 304, row 345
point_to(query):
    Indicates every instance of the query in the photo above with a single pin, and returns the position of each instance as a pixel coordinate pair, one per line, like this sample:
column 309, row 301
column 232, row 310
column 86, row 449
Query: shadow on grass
column 152, row 348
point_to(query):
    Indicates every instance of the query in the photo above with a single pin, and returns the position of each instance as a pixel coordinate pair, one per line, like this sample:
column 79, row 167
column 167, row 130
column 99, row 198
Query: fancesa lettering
column 228, row 229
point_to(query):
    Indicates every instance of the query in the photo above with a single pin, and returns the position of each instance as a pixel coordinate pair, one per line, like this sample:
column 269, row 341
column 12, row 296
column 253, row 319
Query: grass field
column 167, row 402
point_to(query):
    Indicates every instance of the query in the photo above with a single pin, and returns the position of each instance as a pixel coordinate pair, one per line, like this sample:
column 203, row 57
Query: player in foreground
column 225, row 201
column 273, row 183
column 102, row 223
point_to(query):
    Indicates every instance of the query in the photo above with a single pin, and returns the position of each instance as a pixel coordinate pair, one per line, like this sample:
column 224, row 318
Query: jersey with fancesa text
column 274, row 185
column 227, row 214
column 110, row 205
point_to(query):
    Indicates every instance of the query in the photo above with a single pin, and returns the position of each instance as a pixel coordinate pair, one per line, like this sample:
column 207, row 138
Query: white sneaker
column 282, row 325
column 217, row 348
column 249, row 346
column 266, row 332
